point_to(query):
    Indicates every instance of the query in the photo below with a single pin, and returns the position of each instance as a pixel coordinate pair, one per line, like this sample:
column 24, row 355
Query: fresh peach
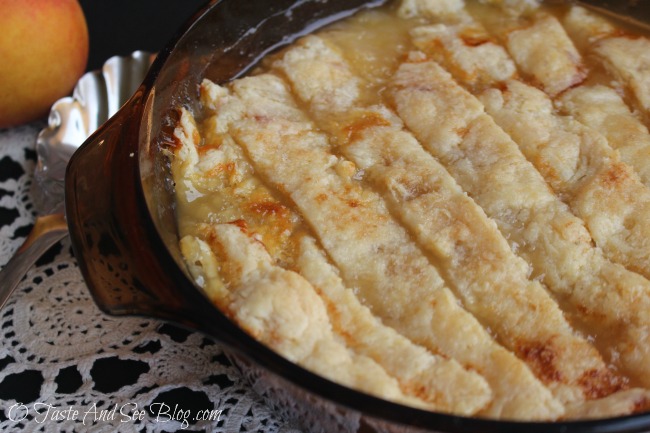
column 43, row 52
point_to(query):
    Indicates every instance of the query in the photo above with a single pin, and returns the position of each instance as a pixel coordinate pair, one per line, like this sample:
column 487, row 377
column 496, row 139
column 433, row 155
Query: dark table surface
column 119, row 27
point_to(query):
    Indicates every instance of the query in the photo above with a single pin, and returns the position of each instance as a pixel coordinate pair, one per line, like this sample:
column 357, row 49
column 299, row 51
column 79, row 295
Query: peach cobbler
column 442, row 204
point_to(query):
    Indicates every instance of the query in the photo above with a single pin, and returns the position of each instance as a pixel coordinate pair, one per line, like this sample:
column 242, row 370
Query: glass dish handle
column 124, row 261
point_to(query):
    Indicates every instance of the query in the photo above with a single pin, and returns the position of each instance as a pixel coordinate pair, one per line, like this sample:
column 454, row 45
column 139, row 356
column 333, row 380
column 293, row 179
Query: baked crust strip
column 425, row 380
column 487, row 276
column 625, row 57
column 282, row 310
column 603, row 109
column 575, row 160
column 436, row 380
column 276, row 306
column 375, row 254
column 452, row 125
column 582, row 169
column 546, row 55
column 600, row 107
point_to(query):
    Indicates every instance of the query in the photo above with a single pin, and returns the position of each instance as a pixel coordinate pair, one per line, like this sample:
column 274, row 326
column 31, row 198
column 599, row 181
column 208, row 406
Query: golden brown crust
column 546, row 55
column 491, row 168
column 466, row 50
column 434, row 379
column 370, row 221
column 582, row 169
column 466, row 245
column 376, row 255
column 627, row 59
column 604, row 110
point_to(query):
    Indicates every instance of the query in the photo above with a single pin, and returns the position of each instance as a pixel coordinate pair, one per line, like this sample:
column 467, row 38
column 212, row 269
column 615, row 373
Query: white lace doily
column 66, row 366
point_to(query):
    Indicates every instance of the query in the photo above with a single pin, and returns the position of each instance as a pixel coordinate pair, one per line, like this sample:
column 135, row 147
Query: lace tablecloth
column 66, row 366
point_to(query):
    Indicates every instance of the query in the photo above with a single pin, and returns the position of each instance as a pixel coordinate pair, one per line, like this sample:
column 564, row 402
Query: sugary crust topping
column 462, row 228
column 628, row 60
column 585, row 27
column 515, row 7
column 604, row 110
column 431, row 9
column 467, row 50
column 489, row 279
column 490, row 167
column 545, row 53
column 582, row 169
column 419, row 372
column 280, row 308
